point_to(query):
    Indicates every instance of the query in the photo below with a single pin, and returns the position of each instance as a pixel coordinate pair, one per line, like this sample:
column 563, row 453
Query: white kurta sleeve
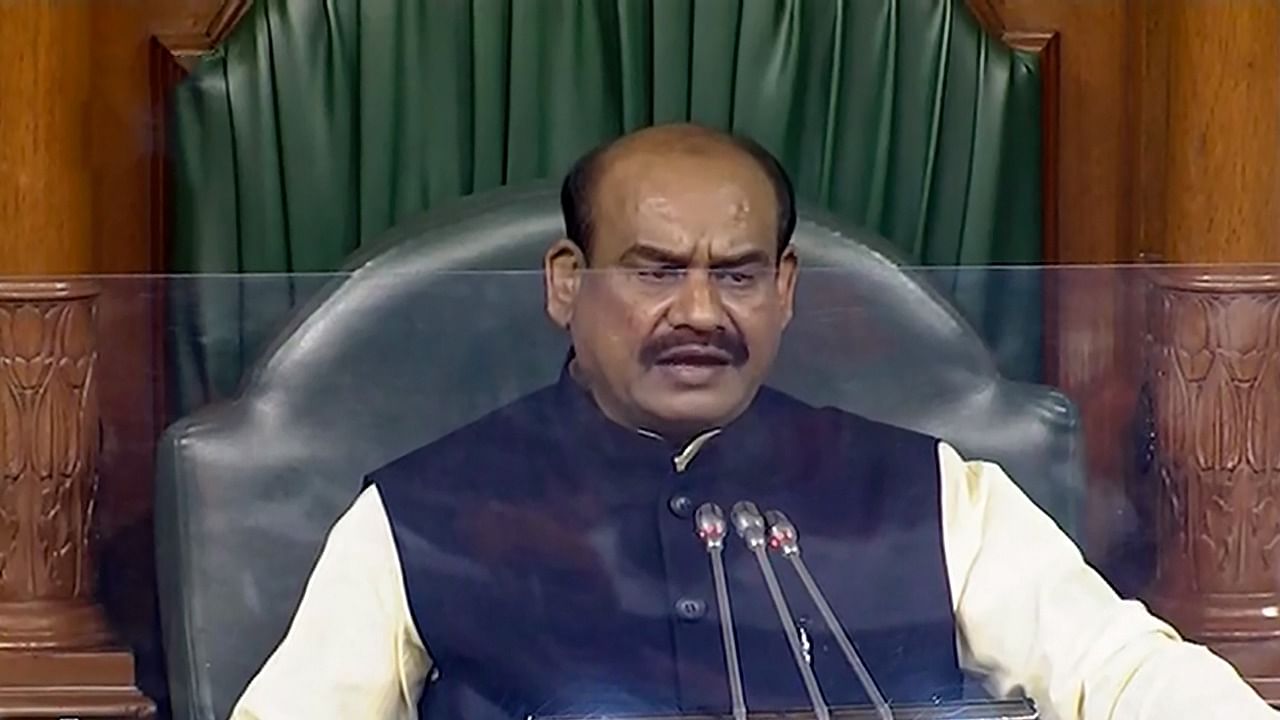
column 352, row 650
column 1033, row 618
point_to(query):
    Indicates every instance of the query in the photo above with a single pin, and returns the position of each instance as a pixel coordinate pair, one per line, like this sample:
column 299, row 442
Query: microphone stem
column 842, row 638
column 793, row 637
column 726, row 632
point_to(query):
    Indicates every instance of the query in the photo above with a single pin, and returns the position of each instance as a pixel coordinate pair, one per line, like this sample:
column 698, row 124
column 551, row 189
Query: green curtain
column 320, row 123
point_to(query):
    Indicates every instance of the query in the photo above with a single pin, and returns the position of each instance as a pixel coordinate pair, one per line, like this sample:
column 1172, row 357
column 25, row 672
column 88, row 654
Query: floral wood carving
column 48, row 452
column 1214, row 373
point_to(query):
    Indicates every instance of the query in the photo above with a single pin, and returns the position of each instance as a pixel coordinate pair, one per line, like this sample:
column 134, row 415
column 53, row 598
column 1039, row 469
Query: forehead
column 721, row 202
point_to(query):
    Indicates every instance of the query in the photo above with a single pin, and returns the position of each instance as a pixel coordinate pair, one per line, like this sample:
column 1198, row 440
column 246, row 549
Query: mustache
column 728, row 343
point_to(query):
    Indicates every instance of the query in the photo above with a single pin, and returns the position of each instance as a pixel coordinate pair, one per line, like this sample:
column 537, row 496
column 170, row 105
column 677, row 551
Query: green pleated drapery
column 320, row 123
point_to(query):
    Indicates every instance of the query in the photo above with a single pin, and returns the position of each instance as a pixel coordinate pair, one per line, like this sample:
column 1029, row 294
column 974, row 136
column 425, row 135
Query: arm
column 1033, row 617
column 352, row 650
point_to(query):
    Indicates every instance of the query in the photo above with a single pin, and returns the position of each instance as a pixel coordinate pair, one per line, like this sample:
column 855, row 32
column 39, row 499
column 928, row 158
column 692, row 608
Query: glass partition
column 631, row 528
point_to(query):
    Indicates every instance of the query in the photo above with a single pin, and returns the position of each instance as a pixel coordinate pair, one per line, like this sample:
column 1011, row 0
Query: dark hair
column 578, row 186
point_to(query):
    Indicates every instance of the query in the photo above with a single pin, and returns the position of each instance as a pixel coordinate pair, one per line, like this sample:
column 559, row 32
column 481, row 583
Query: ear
column 562, row 268
column 788, row 267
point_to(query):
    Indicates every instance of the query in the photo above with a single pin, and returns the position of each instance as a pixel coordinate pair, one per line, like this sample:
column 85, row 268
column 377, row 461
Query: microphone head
column 749, row 523
column 782, row 533
column 708, row 523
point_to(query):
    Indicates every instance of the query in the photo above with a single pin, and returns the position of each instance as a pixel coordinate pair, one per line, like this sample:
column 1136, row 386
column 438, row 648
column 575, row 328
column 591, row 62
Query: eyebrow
column 642, row 252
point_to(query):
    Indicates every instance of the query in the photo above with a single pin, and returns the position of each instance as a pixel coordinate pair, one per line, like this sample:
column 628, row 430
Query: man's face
column 677, row 314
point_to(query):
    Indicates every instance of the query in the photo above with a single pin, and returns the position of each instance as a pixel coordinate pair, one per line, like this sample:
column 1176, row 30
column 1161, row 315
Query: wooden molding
column 987, row 15
column 166, row 70
column 1029, row 41
column 1048, row 46
column 60, row 684
column 201, row 30
column 1147, row 132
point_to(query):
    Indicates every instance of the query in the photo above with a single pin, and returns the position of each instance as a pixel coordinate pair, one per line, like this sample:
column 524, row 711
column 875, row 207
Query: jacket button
column 691, row 608
column 681, row 506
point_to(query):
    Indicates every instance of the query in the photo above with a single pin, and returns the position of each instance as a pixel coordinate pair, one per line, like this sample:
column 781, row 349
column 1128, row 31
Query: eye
column 739, row 277
column 658, row 274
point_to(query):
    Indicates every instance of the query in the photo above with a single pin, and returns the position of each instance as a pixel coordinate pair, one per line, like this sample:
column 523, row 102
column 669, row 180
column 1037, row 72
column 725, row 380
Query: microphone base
column 970, row 710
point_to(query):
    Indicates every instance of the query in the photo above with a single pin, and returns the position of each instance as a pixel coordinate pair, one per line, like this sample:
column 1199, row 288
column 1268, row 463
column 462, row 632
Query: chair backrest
column 405, row 347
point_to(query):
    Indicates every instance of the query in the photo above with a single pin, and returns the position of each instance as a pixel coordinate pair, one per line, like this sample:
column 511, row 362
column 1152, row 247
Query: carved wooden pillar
column 48, row 427
column 1213, row 360
column 1214, row 378
column 57, row 658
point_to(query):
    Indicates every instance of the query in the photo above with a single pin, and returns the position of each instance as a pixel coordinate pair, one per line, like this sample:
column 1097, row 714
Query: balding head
column 661, row 144
column 676, row 278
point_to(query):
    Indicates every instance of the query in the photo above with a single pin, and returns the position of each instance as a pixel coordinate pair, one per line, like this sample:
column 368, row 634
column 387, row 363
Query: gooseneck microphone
column 784, row 538
column 750, row 526
column 710, row 526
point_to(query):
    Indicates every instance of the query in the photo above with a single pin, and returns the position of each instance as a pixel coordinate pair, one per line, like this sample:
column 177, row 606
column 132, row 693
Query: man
column 541, row 561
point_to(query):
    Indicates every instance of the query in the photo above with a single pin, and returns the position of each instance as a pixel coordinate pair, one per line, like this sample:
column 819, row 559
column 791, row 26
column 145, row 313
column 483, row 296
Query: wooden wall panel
column 1223, row 123
column 119, row 137
column 45, row 198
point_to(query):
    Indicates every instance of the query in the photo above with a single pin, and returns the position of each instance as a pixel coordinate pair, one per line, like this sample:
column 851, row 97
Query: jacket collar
column 744, row 443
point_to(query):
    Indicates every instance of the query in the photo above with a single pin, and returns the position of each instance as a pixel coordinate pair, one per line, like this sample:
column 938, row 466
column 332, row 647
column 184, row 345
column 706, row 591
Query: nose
column 697, row 304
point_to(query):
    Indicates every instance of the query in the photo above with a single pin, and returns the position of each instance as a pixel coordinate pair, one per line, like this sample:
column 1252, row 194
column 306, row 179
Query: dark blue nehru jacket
column 551, row 566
